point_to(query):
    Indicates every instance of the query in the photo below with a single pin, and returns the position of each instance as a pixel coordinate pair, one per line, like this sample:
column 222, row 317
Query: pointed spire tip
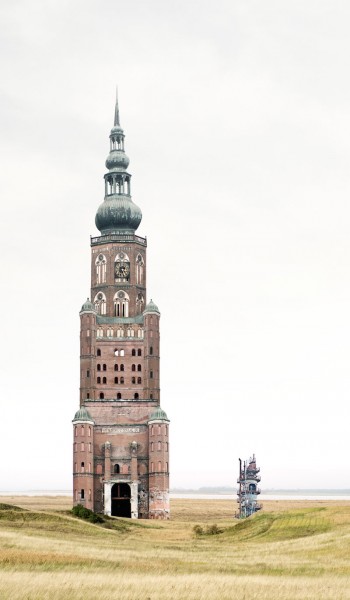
column 116, row 112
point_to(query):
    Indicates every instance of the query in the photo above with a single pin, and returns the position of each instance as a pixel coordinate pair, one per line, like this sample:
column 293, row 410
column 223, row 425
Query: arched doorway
column 121, row 506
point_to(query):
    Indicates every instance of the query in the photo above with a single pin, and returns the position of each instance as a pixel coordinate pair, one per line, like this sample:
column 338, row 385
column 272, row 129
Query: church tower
column 120, row 432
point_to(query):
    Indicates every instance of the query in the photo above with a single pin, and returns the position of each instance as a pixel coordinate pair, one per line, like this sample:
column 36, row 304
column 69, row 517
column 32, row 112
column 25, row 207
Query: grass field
column 295, row 550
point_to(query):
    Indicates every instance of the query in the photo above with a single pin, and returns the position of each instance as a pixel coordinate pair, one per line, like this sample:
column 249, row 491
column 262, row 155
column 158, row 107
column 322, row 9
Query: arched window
column 99, row 367
column 109, row 332
column 76, row 430
column 115, row 379
column 105, row 367
column 102, row 396
column 104, row 380
column 99, row 334
column 139, row 380
column 122, row 367
column 133, row 367
column 116, row 469
column 139, row 367
column 82, row 446
column 140, row 333
column 98, row 379
column 152, row 446
column 122, row 380
column 159, row 466
column 140, row 303
column 119, row 396
column 82, row 430
column 152, row 467
column 133, row 352
column 100, row 303
column 98, row 352
column 116, row 367
column 151, row 350
column 121, row 304
column 82, row 466
column 136, row 396
column 82, row 494
column 139, row 352
column 159, row 445
column 133, row 380
column 139, row 268
column 151, row 396
column 101, row 269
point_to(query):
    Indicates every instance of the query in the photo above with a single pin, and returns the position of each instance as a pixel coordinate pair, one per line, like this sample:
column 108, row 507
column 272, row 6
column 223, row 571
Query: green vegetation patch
column 88, row 515
column 121, row 525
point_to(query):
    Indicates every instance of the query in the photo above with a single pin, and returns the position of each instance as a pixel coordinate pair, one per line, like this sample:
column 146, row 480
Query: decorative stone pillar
column 133, row 469
column 108, row 498
column 107, row 461
column 134, row 503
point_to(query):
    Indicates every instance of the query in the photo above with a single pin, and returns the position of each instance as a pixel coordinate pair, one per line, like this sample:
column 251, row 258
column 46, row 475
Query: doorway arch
column 121, row 505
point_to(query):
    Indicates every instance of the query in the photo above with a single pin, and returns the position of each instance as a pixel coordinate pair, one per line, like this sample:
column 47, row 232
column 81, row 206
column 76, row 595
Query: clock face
column 122, row 270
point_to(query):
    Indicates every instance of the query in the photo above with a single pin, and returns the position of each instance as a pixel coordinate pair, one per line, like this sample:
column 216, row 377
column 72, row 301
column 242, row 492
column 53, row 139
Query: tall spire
column 116, row 112
column 118, row 213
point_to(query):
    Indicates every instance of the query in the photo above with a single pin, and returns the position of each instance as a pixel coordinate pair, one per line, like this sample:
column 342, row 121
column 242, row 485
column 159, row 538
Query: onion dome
column 83, row 416
column 88, row 306
column 118, row 213
column 117, row 160
column 151, row 307
column 158, row 415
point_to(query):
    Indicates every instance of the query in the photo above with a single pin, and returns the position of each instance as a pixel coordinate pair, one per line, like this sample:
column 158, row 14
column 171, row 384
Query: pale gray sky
column 237, row 122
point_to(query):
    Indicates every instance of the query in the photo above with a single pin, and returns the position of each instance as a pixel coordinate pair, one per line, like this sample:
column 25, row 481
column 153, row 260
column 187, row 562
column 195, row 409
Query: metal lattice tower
column 248, row 490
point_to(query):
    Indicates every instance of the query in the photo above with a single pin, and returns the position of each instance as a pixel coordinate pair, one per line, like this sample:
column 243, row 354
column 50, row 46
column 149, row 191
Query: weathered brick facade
column 121, row 435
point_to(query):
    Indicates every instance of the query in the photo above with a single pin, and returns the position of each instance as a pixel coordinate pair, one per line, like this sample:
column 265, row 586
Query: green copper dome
column 88, row 306
column 117, row 214
column 158, row 415
column 151, row 307
column 117, row 159
column 83, row 415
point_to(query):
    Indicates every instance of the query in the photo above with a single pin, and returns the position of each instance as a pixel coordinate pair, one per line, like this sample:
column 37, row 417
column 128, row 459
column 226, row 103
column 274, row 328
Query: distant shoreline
column 215, row 493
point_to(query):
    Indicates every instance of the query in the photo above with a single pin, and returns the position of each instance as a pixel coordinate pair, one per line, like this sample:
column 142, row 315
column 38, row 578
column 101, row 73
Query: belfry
column 120, row 432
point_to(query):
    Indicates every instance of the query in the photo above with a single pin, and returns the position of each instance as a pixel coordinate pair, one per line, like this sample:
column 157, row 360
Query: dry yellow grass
column 295, row 550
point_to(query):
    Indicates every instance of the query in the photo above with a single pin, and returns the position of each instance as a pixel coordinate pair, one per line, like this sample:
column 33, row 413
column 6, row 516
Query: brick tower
column 121, row 434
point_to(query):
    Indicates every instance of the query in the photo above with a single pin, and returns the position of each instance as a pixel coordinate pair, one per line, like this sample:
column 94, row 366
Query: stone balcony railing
column 118, row 237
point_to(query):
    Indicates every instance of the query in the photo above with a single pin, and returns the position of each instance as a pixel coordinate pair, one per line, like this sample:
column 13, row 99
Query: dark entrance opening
column 121, row 505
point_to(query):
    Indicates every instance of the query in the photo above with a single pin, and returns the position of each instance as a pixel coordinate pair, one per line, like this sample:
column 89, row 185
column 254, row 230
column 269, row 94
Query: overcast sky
column 236, row 115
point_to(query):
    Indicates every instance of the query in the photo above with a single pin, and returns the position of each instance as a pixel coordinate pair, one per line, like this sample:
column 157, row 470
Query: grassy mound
column 65, row 522
column 272, row 527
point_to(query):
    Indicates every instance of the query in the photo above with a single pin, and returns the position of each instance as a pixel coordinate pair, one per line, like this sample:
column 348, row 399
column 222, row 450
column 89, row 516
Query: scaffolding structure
column 248, row 490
